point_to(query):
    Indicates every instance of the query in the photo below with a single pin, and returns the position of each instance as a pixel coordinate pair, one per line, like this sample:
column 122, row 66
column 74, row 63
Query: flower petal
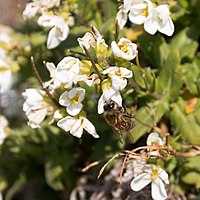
column 164, row 176
column 153, row 139
column 118, row 82
column 121, row 18
column 74, row 109
column 140, row 181
column 101, row 102
column 126, row 73
column 158, row 190
column 168, row 29
column 64, row 100
column 36, row 117
column 78, row 132
column 150, row 25
column 117, row 98
column 89, row 127
column 66, row 123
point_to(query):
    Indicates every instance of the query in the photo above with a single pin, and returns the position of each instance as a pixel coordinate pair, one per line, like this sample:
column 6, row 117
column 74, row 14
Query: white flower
column 6, row 76
column 154, row 139
column 154, row 175
column 108, row 94
column 121, row 17
column 67, row 69
column 50, row 3
column 118, row 76
column 139, row 11
column 54, row 82
column 89, row 80
column 40, row 6
column 3, row 125
column 134, row 167
column 31, row 10
column 72, row 100
column 87, row 41
column 124, row 49
column 75, row 126
column 159, row 20
column 128, row 4
column 35, row 106
column 5, row 35
column 59, row 31
column 92, row 39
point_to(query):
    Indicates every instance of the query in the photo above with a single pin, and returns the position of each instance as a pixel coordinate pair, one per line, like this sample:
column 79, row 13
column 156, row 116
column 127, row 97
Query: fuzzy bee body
column 117, row 117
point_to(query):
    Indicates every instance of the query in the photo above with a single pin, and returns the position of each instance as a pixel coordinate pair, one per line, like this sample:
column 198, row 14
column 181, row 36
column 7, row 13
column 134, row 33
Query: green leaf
column 143, row 123
column 192, row 177
column 186, row 124
column 53, row 173
column 186, row 42
column 190, row 76
column 183, row 3
column 169, row 80
column 193, row 163
column 155, row 49
column 137, row 75
column 145, row 117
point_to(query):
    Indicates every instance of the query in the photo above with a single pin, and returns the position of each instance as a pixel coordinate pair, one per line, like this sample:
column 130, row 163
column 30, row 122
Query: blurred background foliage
column 46, row 163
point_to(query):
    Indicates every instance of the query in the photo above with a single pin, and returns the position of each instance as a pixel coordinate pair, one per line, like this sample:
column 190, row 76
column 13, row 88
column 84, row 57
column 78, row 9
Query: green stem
column 93, row 63
column 41, row 83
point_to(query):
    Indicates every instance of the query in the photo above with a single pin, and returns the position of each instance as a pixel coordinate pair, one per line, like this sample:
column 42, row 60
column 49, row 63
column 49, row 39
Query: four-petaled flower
column 154, row 175
column 154, row 139
column 67, row 69
column 140, row 11
column 124, row 49
column 35, row 106
column 118, row 76
column 54, row 83
column 59, row 29
column 72, row 100
column 75, row 125
column 143, row 12
column 92, row 39
column 159, row 20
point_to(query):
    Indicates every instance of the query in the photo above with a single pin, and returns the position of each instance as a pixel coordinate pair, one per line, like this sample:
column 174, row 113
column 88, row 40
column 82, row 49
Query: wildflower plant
column 71, row 60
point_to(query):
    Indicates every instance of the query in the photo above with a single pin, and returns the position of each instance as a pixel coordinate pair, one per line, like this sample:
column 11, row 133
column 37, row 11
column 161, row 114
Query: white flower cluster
column 59, row 24
column 67, row 76
column 145, row 173
column 143, row 12
column 7, row 64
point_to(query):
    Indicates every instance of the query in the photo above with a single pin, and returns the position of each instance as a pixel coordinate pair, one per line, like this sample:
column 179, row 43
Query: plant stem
column 93, row 63
column 41, row 83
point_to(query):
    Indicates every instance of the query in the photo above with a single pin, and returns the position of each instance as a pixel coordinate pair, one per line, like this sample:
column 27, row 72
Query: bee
column 118, row 118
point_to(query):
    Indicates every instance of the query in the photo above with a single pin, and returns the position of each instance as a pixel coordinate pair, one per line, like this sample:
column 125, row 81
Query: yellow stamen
column 124, row 48
column 74, row 100
column 118, row 72
column 145, row 12
column 154, row 174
